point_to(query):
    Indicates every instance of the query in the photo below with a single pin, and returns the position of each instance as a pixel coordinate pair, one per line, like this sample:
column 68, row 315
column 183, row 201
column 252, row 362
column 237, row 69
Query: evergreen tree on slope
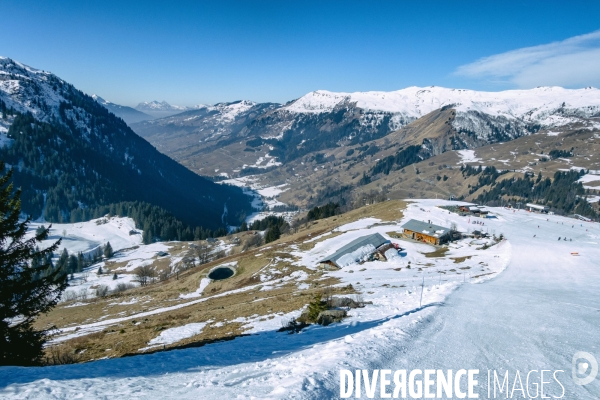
column 27, row 288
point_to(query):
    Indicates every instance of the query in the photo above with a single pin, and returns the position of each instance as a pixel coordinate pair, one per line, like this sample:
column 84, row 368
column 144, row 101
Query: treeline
column 326, row 211
column 157, row 223
column 274, row 225
column 562, row 194
column 487, row 176
column 404, row 157
column 67, row 264
column 556, row 153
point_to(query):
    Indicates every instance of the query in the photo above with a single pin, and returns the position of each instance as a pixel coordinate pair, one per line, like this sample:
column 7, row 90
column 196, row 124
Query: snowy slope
column 508, row 322
column 414, row 102
column 543, row 106
column 203, row 123
column 160, row 109
column 87, row 236
column 27, row 89
column 159, row 106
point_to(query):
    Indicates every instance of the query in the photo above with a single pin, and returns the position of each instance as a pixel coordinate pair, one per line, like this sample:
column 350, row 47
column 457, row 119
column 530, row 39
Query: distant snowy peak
column 159, row 106
column 100, row 99
column 229, row 111
column 414, row 102
column 128, row 114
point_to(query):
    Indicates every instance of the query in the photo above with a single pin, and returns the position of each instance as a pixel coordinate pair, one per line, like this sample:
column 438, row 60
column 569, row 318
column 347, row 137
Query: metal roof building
column 426, row 232
column 376, row 240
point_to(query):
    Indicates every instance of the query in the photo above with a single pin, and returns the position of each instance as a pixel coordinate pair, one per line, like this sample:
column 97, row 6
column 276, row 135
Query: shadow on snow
column 247, row 349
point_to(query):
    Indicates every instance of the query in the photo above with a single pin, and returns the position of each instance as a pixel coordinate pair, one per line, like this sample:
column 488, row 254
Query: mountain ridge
column 322, row 120
column 128, row 114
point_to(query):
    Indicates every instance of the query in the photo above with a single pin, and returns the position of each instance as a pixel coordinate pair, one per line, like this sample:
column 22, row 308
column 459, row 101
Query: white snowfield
column 174, row 335
column 542, row 309
column 467, row 156
column 87, row 236
column 415, row 102
column 262, row 197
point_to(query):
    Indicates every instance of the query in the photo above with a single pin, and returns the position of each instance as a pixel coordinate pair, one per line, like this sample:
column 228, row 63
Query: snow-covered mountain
column 73, row 155
column 206, row 124
column 323, row 120
column 482, row 113
column 128, row 114
column 160, row 109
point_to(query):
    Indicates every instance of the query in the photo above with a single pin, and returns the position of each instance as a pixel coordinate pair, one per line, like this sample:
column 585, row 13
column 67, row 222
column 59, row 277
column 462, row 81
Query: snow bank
column 87, row 236
column 391, row 254
column 467, row 156
column 587, row 178
column 203, row 284
column 174, row 335
column 360, row 224
column 357, row 255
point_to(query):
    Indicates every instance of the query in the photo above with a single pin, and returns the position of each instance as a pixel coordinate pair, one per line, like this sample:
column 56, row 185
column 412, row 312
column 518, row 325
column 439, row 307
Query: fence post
column 422, row 287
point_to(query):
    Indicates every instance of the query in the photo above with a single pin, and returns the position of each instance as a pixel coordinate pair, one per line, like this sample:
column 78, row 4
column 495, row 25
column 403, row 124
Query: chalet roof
column 375, row 239
column 426, row 228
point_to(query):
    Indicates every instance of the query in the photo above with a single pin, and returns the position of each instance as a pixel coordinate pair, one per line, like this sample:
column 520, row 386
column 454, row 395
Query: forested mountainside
column 70, row 154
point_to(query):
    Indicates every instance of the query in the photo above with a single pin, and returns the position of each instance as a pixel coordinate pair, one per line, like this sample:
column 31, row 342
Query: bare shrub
column 61, row 355
column 122, row 287
column 219, row 254
column 83, row 294
column 165, row 274
column 292, row 326
column 252, row 241
column 203, row 253
column 359, row 299
column 145, row 274
column 102, row 291
column 69, row 295
column 189, row 260
column 327, row 295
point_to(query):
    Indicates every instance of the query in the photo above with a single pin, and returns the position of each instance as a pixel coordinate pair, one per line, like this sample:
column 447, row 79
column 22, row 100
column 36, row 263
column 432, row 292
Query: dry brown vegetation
column 132, row 334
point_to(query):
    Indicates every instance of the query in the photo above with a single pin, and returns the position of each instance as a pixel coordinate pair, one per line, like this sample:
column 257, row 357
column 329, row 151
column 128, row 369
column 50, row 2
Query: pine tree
column 72, row 265
column 26, row 290
column 273, row 234
column 108, row 250
column 40, row 229
column 81, row 262
column 115, row 276
column 63, row 262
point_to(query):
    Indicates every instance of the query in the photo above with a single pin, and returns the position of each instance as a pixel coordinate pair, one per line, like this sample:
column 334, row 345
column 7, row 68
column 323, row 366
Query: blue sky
column 205, row 52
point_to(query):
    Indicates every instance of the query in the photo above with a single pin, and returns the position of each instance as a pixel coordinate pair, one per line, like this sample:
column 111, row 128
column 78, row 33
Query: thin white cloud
column 573, row 62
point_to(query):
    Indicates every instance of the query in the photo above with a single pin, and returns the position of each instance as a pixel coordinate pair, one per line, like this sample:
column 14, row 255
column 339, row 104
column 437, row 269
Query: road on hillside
column 536, row 315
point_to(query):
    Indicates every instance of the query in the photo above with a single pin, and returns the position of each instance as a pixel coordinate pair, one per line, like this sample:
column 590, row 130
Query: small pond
column 221, row 273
